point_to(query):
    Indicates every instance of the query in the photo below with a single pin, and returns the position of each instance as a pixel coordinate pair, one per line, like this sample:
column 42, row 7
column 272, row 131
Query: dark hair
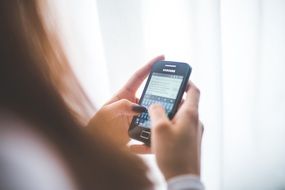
column 37, row 84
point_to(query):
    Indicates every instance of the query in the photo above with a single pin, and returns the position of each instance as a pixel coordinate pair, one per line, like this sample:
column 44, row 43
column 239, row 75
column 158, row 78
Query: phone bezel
column 182, row 69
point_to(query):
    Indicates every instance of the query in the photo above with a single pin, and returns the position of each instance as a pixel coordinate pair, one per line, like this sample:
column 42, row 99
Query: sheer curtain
column 237, row 51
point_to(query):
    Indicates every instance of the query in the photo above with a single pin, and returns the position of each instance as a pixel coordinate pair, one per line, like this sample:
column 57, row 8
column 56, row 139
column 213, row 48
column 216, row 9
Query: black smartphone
column 165, row 85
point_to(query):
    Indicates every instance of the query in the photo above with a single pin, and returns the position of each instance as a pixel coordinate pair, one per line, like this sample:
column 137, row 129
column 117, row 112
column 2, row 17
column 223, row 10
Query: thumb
column 159, row 119
column 124, row 107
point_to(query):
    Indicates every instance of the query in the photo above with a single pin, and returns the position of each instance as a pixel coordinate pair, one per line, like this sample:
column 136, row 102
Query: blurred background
column 237, row 51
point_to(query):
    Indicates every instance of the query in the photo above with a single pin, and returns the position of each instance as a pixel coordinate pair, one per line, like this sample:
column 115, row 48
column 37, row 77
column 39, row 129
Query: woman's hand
column 114, row 118
column 177, row 143
column 129, row 90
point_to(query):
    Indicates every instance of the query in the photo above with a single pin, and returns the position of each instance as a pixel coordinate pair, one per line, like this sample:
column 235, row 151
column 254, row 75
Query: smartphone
column 165, row 85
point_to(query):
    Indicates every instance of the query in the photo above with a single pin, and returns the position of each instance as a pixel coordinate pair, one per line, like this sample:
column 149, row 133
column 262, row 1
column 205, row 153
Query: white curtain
column 237, row 51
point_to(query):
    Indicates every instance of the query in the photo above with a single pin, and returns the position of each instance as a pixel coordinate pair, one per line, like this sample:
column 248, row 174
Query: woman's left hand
column 114, row 118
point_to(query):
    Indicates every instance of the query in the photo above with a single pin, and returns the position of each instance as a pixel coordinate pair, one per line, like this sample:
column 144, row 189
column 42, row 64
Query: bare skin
column 176, row 143
column 115, row 116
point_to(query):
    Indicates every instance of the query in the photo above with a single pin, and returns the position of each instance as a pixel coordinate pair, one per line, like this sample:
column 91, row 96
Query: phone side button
column 145, row 134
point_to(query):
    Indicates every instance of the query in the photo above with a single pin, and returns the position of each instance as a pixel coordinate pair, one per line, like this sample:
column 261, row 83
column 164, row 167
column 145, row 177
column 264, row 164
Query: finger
column 159, row 119
column 192, row 99
column 181, row 103
column 187, row 86
column 135, row 81
column 183, row 99
column 140, row 149
column 188, row 111
column 202, row 128
column 125, row 107
column 193, row 95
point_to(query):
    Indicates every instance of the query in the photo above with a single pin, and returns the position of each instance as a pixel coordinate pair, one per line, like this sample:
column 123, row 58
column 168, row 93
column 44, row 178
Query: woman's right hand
column 177, row 142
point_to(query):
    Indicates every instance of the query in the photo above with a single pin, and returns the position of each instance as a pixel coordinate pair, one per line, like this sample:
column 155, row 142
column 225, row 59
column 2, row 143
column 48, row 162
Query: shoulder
column 27, row 160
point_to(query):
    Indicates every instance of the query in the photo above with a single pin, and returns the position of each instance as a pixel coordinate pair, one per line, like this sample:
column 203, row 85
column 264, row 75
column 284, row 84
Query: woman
column 42, row 142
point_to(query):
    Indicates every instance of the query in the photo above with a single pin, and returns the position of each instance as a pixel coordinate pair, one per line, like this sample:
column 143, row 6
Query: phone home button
column 145, row 134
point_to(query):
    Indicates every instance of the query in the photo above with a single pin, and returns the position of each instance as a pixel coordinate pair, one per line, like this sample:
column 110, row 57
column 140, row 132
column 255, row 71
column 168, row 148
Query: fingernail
column 139, row 109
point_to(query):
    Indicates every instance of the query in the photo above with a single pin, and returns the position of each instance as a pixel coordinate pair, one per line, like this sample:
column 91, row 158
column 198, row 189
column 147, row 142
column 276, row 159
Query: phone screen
column 162, row 89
